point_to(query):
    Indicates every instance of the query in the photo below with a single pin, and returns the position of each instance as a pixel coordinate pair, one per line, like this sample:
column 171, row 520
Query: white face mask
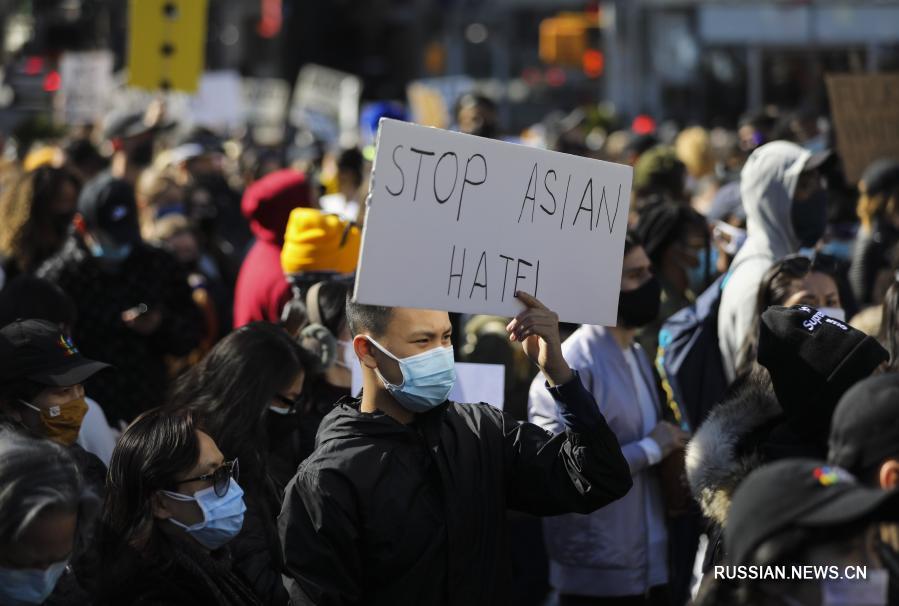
column 872, row 591
column 347, row 358
column 836, row 313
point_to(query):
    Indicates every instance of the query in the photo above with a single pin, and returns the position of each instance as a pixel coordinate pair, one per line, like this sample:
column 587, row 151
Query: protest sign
column 218, row 102
column 85, row 86
column 327, row 101
column 474, row 383
column 265, row 107
column 865, row 110
column 431, row 100
column 459, row 223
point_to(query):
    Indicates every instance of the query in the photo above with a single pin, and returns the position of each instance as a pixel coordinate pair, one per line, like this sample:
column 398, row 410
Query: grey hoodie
column 767, row 184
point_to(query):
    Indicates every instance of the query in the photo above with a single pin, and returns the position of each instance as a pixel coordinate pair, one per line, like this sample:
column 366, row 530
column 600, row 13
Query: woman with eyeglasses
column 173, row 505
column 794, row 280
column 247, row 392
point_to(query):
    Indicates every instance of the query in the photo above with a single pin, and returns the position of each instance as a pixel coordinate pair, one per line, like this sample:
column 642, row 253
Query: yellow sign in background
column 167, row 40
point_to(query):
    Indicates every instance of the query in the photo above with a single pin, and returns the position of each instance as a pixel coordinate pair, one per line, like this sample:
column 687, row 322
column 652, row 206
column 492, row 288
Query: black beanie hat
column 813, row 360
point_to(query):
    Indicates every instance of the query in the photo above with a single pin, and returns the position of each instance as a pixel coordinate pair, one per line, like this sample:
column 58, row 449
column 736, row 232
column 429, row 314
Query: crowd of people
column 178, row 346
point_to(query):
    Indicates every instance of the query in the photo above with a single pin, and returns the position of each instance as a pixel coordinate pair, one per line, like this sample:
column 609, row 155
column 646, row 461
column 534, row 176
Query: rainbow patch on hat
column 828, row 476
column 66, row 344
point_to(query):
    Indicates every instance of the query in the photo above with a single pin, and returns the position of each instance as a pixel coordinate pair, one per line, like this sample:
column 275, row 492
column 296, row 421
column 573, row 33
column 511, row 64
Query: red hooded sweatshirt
column 262, row 290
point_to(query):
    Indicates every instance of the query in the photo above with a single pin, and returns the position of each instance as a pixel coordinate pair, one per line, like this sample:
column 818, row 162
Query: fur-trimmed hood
column 715, row 465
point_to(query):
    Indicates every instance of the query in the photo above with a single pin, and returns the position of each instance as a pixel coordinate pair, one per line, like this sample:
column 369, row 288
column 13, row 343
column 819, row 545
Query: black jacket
column 385, row 513
column 151, row 276
column 177, row 574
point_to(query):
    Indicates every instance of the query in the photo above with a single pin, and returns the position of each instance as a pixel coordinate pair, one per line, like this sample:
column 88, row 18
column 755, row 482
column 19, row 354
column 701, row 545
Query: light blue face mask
column 696, row 276
column 29, row 586
column 110, row 253
column 222, row 516
column 427, row 378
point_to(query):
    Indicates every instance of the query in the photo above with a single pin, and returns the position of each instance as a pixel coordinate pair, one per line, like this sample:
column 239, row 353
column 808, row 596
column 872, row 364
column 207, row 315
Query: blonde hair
column 694, row 148
column 25, row 201
column 871, row 207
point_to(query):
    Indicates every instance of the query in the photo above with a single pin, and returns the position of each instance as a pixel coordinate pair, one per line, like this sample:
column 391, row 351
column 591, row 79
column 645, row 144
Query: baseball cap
column 813, row 359
column 37, row 350
column 798, row 493
column 108, row 204
column 865, row 427
column 881, row 177
column 122, row 125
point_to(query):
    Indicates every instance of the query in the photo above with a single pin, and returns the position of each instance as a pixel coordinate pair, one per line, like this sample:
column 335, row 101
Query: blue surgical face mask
column 116, row 253
column 28, row 586
column 222, row 516
column 841, row 249
column 427, row 378
column 708, row 262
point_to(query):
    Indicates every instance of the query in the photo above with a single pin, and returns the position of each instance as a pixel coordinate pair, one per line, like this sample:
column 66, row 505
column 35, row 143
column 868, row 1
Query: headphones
column 302, row 319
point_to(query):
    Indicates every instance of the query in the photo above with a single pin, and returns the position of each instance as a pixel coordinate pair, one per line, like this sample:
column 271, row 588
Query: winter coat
column 873, row 255
column 389, row 514
column 292, row 436
column 744, row 431
column 150, row 276
column 262, row 290
column 606, row 553
column 179, row 574
column 767, row 185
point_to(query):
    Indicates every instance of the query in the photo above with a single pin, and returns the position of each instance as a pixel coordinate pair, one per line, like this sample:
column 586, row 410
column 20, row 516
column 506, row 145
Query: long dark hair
column 232, row 388
column 775, row 288
column 155, row 449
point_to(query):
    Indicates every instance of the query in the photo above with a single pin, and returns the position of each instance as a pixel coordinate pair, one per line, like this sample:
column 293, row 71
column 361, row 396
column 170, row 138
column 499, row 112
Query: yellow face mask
column 62, row 423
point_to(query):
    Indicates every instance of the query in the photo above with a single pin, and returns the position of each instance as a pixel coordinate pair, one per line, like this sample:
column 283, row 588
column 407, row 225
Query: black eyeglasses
column 220, row 478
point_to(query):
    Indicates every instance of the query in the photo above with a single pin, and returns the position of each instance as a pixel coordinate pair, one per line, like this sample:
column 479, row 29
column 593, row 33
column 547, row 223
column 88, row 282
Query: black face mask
column 142, row 153
column 61, row 223
column 809, row 218
column 640, row 306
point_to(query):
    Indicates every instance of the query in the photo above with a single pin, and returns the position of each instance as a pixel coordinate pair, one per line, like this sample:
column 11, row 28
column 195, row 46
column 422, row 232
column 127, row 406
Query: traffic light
column 573, row 40
column 563, row 40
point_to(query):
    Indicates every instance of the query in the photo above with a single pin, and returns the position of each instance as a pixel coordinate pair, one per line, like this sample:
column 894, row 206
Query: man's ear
column 889, row 474
column 365, row 351
column 158, row 508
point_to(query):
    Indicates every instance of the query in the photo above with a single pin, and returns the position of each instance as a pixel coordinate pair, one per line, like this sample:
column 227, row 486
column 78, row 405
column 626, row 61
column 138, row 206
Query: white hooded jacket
column 767, row 184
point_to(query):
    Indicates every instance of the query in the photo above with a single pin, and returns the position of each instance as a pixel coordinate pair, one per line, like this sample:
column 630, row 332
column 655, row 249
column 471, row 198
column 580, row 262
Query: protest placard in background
column 474, row 383
column 265, row 107
column 86, row 85
column 327, row 102
column 459, row 223
column 218, row 102
column 865, row 110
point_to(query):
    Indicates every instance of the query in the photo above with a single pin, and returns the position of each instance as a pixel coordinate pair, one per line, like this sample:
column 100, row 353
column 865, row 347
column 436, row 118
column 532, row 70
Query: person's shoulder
column 66, row 260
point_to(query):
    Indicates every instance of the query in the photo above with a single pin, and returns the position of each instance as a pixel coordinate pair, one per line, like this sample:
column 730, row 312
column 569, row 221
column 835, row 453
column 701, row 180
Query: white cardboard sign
column 86, row 84
column 459, row 223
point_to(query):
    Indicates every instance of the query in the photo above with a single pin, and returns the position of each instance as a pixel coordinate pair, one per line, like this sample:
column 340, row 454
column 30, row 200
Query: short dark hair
column 371, row 319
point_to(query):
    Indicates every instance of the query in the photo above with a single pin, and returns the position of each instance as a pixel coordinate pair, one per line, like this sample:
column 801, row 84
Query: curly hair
column 26, row 233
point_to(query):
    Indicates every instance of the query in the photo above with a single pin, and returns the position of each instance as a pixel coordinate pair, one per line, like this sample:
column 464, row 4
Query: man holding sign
column 404, row 499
